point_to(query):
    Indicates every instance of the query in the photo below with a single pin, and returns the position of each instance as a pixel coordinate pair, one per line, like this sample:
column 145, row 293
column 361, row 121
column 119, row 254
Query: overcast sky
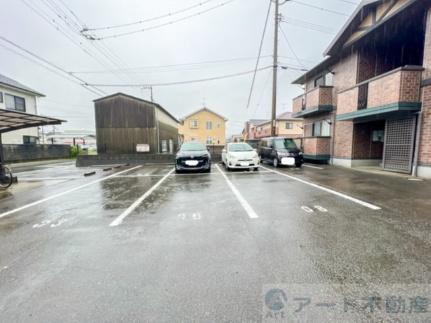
column 229, row 32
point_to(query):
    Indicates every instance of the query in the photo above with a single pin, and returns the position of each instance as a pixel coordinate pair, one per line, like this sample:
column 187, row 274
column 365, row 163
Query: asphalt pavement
column 142, row 244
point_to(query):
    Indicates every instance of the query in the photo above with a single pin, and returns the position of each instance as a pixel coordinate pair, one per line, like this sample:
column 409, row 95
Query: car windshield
column 285, row 144
column 193, row 146
column 240, row 147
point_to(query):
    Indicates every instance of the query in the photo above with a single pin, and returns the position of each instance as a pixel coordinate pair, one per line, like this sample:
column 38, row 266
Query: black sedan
column 193, row 156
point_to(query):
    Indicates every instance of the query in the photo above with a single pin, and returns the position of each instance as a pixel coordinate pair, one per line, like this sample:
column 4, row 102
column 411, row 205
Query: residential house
column 369, row 101
column 205, row 126
column 128, row 125
column 19, row 97
column 286, row 126
column 249, row 130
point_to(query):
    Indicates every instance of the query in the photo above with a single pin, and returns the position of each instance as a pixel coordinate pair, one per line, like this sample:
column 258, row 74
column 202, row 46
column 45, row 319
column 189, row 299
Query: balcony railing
column 396, row 90
column 317, row 100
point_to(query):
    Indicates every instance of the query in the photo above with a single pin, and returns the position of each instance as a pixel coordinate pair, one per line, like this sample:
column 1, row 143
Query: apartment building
column 369, row 101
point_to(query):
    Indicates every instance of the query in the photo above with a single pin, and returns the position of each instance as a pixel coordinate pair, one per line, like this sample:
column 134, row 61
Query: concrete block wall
column 20, row 153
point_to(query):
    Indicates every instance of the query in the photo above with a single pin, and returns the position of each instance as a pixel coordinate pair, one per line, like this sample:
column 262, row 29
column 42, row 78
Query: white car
column 240, row 156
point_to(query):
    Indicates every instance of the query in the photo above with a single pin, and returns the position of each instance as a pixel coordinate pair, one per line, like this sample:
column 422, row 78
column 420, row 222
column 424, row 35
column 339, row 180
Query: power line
column 83, row 83
column 170, row 14
column 320, row 8
column 291, row 47
column 72, row 27
column 183, row 82
column 101, row 48
column 258, row 54
column 307, row 25
column 156, row 67
column 148, row 67
column 92, row 37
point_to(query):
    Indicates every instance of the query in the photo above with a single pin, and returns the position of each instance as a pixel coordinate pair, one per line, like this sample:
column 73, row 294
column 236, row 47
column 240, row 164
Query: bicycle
column 6, row 177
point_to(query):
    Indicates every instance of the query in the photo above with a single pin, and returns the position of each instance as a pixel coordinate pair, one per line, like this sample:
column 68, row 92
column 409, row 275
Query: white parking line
column 132, row 207
column 310, row 166
column 247, row 207
column 194, row 174
column 347, row 197
column 65, row 192
column 37, row 179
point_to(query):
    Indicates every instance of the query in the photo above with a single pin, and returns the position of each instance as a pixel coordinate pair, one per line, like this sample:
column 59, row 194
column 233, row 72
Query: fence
column 20, row 153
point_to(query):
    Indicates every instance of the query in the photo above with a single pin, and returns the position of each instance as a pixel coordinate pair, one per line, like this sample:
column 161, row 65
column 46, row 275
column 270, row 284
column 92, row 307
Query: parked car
column 193, row 156
column 280, row 152
column 240, row 155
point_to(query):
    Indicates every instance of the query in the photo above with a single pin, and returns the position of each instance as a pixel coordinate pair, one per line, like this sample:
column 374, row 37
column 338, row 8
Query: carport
column 11, row 120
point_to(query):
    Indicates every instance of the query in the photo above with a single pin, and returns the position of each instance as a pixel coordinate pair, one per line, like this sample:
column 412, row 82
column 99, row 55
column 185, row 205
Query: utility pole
column 275, row 70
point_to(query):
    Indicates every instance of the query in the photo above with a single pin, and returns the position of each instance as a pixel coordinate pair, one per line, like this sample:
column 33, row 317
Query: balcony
column 318, row 100
column 317, row 148
column 396, row 93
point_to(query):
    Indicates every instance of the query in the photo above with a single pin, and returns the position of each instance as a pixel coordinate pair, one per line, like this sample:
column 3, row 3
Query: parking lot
column 141, row 243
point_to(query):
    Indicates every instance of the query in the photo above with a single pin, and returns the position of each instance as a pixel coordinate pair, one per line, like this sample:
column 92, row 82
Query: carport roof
column 11, row 120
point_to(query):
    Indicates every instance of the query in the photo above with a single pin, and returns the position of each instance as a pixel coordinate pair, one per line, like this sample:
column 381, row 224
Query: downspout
column 417, row 144
column 157, row 129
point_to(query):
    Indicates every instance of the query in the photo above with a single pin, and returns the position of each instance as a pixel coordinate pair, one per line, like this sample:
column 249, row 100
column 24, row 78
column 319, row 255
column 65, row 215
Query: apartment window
column 209, row 141
column 321, row 129
column 1, row 97
column 14, row 102
column 289, row 125
column 193, row 124
column 29, row 140
column 209, row 125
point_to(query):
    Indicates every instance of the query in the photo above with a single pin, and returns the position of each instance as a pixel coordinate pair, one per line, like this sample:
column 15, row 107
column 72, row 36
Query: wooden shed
column 129, row 125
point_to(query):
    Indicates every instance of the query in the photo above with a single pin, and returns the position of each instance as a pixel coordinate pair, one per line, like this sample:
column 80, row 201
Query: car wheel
column 299, row 165
column 275, row 162
column 177, row 171
column 256, row 169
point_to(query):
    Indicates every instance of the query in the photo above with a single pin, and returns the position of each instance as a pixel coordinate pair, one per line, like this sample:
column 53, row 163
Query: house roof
column 337, row 45
column 203, row 109
column 256, row 121
column 138, row 99
column 358, row 13
column 4, row 80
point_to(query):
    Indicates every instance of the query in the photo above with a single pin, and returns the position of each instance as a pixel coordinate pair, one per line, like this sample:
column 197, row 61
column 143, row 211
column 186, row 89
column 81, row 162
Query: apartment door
column 399, row 144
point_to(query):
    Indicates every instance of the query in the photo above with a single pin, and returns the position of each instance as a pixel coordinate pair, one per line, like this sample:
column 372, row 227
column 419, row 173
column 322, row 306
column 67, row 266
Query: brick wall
column 317, row 146
column 427, row 48
column 425, row 144
column 343, row 140
column 297, row 104
column 410, row 86
column 345, row 72
column 384, row 90
column 347, row 101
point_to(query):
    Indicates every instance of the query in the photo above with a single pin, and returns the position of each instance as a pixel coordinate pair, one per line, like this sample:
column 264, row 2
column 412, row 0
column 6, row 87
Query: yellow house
column 204, row 126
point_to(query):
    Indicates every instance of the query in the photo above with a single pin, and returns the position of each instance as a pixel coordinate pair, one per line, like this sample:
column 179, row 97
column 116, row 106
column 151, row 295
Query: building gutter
column 417, row 144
